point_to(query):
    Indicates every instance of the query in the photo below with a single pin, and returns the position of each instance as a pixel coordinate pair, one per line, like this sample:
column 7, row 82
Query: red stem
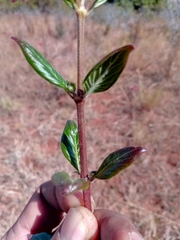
column 83, row 152
column 80, row 107
column 80, row 50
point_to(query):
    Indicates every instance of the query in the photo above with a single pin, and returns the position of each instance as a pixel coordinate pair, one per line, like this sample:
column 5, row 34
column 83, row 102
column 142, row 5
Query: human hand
column 47, row 208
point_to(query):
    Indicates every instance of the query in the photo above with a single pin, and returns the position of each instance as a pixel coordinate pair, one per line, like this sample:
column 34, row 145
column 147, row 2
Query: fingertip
column 79, row 224
column 48, row 191
column 56, row 198
column 68, row 201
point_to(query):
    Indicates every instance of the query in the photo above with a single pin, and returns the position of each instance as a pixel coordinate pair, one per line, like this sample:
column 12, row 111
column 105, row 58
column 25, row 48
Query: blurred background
column 141, row 109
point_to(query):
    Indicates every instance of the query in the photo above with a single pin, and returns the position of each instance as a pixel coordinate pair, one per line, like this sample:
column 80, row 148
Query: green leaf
column 67, row 185
column 61, row 178
column 105, row 73
column 97, row 3
column 42, row 66
column 71, row 87
column 69, row 3
column 79, row 184
column 70, row 144
column 116, row 162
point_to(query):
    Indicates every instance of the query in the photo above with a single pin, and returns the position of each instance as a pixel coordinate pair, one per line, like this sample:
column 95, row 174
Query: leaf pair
column 96, row 3
column 112, row 164
column 100, row 78
column 67, row 185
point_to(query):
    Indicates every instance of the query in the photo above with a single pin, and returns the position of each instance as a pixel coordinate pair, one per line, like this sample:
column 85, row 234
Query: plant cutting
column 100, row 78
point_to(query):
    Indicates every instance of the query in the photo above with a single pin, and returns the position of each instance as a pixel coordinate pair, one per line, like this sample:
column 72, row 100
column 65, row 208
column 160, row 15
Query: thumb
column 80, row 224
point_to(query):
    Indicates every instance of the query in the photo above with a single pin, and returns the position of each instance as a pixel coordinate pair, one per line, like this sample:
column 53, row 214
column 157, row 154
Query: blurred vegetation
column 152, row 5
column 40, row 5
column 48, row 5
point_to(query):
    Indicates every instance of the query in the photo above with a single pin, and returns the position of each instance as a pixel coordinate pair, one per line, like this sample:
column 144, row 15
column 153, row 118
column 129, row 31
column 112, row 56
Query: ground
column 141, row 109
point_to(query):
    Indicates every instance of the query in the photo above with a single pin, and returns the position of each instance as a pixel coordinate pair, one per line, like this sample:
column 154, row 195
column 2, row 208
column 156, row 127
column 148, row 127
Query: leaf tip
column 140, row 150
column 14, row 38
column 143, row 150
column 17, row 40
column 131, row 47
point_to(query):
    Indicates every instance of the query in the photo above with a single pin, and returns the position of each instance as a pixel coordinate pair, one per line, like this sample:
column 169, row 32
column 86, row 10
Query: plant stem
column 80, row 106
column 83, row 153
column 80, row 50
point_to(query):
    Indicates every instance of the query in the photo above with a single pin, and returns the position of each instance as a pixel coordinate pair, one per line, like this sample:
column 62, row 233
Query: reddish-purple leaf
column 117, row 161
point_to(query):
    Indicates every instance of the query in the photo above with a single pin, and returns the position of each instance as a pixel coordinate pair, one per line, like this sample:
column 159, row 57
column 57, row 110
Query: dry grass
column 141, row 109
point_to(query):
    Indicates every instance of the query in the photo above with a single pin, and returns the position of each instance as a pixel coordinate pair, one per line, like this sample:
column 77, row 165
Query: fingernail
column 135, row 236
column 74, row 226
